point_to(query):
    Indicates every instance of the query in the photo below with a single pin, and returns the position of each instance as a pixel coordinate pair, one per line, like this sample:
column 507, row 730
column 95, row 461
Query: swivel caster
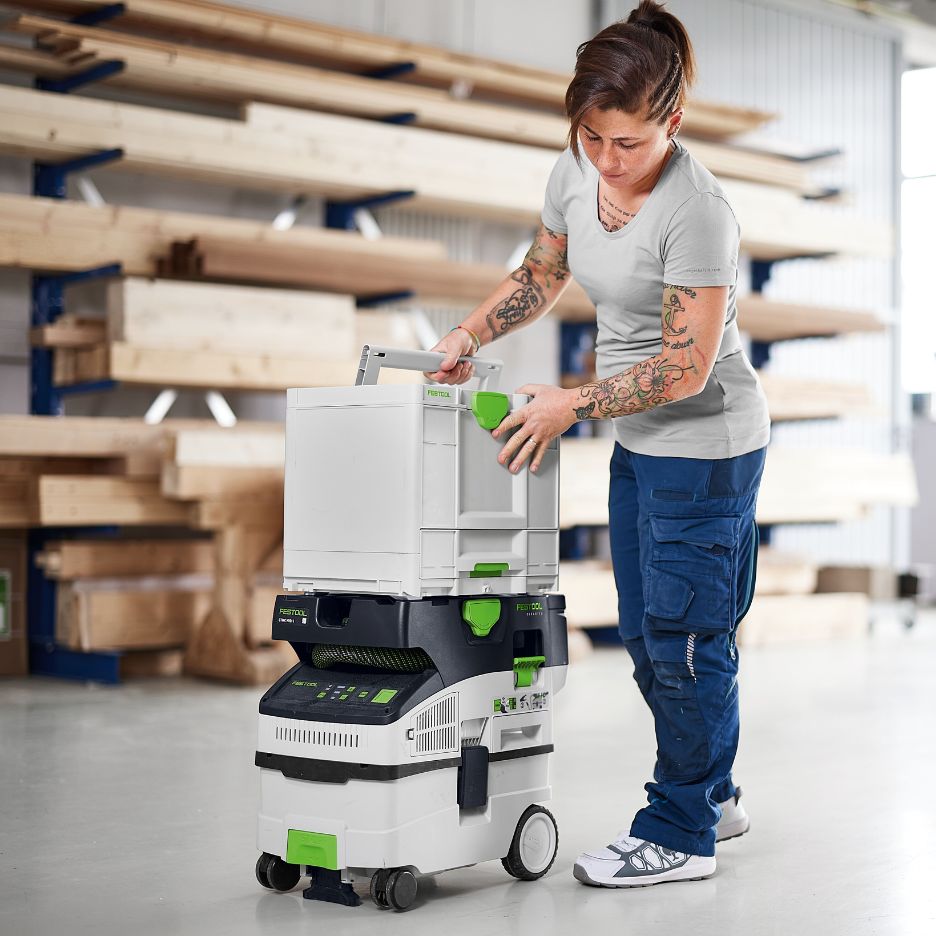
column 394, row 888
column 275, row 874
column 534, row 846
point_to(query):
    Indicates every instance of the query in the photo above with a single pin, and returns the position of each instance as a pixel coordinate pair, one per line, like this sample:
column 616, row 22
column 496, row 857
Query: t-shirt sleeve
column 700, row 247
column 553, row 214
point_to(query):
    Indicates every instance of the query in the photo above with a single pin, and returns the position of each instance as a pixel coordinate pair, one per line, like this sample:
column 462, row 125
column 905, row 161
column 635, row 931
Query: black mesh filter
column 408, row 660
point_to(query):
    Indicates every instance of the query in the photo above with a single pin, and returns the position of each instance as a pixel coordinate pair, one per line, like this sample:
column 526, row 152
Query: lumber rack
column 50, row 180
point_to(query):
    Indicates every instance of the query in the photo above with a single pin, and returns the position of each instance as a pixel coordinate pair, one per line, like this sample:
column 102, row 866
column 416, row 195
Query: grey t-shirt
column 684, row 234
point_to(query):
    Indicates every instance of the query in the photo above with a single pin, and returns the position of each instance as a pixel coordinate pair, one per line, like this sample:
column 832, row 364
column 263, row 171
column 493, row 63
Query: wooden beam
column 175, row 367
column 69, row 332
column 98, row 618
column 282, row 37
column 799, row 486
column 75, row 436
column 775, row 619
column 768, row 320
column 81, row 559
column 208, row 317
column 448, row 173
column 792, row 398
column 65, row 500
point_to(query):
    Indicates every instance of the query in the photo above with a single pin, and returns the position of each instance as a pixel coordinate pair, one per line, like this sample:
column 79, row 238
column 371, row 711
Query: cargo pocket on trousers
column 692, row 571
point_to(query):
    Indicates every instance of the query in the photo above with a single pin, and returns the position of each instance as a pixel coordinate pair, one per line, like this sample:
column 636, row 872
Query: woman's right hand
column 455, row 344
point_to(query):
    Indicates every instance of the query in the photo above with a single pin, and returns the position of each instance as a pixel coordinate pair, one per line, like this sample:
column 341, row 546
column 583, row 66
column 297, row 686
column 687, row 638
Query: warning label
column 525, row 702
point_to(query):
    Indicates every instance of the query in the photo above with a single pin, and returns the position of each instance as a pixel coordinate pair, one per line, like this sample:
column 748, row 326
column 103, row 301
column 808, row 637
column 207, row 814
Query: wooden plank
column 792, row 398
column 210, row 317
column 78, row 559
column 71, row 436
column 73, row 500
column 448, row 173
column 151, row 664
column 175, row 367
column 799, row 486
column 220, row 514
column 777, row 619
column 282, row 37
column 51, row 234
column 768, row 320
column 17, row 503
column 781, row 574
column 590, row 593
column 195, row 482
column 247, row 446
column 69, row 332
column 826, row 485
column 102, row 619
column 879, row 583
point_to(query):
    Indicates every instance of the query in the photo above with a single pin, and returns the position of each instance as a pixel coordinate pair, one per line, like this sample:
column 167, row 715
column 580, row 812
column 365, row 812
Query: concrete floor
column 131, row 810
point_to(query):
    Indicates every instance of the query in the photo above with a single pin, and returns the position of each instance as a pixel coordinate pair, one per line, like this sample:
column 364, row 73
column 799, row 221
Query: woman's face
column 625, row 148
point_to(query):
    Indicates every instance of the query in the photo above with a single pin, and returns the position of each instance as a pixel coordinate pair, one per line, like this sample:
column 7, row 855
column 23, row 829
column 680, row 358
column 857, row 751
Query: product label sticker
column 521, row 702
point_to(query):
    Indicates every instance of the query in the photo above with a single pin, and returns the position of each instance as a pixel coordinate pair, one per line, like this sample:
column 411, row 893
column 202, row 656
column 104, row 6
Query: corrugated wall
column 832, row 79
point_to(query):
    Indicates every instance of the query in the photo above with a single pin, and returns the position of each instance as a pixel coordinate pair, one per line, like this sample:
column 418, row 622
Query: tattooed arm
column 692, row 325
column 524, row 296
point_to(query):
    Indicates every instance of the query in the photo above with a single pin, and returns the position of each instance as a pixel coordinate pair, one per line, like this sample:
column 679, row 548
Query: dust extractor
column 414, row 735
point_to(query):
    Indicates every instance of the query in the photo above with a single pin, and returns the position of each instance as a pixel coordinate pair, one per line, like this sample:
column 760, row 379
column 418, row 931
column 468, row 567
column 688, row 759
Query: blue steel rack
column 50, row 180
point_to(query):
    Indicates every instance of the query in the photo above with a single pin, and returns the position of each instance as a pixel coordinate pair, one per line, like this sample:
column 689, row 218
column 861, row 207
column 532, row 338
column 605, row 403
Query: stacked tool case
column 414, row 734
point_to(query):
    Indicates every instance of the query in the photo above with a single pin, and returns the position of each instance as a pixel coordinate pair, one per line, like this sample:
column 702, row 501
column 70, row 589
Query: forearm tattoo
column 520, row 305
column 656, row 381
column 544, row 269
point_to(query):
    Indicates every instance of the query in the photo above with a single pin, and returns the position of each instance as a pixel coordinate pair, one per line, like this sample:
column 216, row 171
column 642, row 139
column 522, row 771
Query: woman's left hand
column 547, row 415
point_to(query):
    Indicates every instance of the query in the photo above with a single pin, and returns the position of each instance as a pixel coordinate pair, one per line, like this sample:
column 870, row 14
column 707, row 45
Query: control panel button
column 385, row 695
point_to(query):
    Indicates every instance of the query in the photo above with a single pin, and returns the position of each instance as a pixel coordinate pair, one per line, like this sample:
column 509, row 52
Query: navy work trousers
column 681, row 544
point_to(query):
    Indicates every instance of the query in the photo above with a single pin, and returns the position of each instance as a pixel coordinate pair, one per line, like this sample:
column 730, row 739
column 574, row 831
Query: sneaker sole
column 734, row 831
column 580, row 874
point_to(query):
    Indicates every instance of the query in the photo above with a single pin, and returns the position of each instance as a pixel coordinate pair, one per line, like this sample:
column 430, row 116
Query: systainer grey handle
column 374, row 357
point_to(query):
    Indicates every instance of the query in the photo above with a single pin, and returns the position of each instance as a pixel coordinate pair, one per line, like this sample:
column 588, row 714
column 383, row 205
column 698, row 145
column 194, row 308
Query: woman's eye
column 592, row 139
column 628, row 145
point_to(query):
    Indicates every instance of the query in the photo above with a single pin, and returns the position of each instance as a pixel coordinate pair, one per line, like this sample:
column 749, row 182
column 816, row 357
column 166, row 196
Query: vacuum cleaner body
column 414, row 734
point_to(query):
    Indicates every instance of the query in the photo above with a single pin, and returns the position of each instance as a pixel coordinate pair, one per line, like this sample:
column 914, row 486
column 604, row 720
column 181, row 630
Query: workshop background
column 204, row 205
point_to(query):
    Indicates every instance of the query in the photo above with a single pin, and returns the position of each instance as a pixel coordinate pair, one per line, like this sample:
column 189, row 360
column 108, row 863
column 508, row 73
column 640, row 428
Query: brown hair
column 642, row 64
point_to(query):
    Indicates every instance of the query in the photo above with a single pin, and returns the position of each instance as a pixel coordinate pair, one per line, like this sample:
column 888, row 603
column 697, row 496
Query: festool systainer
column 414, row 735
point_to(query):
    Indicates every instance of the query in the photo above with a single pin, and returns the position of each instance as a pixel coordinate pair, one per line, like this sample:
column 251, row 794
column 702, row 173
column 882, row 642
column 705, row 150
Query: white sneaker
column 734, row 819
column 634, row 862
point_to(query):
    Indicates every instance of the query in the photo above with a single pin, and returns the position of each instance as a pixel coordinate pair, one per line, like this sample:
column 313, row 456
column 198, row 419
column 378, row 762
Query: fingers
column 510, row 421
column 524, row 451
column 538, row 456
column 460, row 373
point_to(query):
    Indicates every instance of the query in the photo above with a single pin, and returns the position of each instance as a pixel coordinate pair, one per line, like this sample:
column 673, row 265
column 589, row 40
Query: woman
column 648, row 233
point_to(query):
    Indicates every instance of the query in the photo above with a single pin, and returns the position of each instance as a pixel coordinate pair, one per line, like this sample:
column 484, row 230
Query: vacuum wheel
column 394, row 888
column 534, row 846
column 276, row 874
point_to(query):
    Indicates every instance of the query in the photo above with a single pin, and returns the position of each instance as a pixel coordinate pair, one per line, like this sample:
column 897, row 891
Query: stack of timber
column 169, row 333
column 288, row 39
column 808, row 486
column 323, row 154
column 177, row 70
column 592, row 601
column 47, row 234
column 203, row 585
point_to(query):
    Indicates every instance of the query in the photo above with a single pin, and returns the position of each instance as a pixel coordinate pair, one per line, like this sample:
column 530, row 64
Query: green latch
column 481, row 614
column 312, row 848
column 524, row 668
column 490, row 408
column 489, row 569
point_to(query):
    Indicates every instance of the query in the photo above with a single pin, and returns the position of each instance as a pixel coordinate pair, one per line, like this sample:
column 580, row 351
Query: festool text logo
column 295, row 612
column 441, row 393
column 531, row 606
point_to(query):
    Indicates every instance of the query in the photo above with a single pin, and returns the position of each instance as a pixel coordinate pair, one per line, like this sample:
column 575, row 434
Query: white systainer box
column 397, row 490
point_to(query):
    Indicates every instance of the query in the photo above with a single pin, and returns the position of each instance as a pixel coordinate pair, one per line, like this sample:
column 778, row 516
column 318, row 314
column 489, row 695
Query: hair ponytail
column 644, row 64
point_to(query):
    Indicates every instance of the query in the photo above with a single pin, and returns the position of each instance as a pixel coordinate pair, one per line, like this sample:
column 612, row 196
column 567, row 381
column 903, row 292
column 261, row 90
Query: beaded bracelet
column 475, row 339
